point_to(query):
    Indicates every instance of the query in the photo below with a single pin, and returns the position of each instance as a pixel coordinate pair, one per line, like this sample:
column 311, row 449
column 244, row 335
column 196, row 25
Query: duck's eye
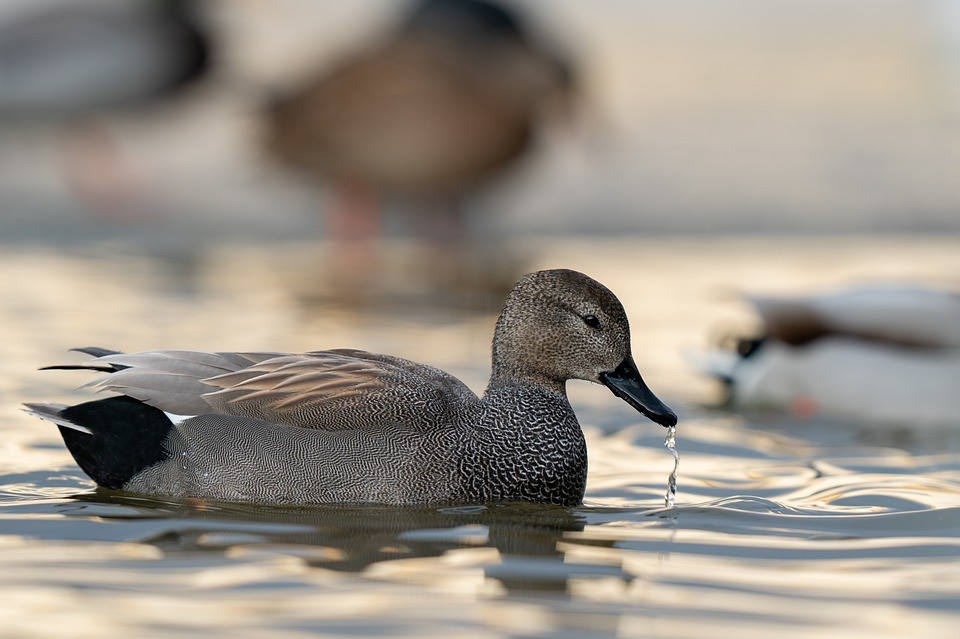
column 591, row 321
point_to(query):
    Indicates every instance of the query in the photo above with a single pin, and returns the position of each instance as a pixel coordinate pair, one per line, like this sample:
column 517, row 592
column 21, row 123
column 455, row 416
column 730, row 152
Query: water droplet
column 670, row 442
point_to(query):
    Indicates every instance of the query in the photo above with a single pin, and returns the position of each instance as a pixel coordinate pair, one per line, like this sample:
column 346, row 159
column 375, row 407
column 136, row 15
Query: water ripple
column 780, row 529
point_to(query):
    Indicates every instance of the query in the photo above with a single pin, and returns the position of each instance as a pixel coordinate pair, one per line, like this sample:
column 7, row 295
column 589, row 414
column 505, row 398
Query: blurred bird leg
column 355, row 228
column 101, row 178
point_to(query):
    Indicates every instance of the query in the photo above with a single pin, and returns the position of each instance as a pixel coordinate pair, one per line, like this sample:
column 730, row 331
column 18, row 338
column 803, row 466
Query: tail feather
column 112, row 439
column 52, row 413
column 93, row 351
column 171, row 380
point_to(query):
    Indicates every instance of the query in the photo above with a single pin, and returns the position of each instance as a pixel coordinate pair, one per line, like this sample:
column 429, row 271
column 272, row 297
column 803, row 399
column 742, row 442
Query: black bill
column 626, row 383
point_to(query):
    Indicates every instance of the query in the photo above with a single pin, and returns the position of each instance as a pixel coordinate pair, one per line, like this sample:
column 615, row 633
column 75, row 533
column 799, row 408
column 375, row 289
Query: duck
column 350, row 426
column 428, row 114
column 884, row 354
column 76, row 59
column 71, row 66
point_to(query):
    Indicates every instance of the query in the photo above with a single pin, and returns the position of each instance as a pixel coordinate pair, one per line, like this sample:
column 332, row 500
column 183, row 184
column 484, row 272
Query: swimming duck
column 427, row 115
column 884, row 354
column 352, row 426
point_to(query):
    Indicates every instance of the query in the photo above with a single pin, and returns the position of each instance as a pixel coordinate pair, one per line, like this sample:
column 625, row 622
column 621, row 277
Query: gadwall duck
column 349, row 426
column 877, row 355
column 427, row 114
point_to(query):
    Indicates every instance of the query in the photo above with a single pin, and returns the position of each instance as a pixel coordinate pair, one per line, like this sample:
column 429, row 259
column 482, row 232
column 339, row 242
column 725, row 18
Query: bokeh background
column 695, row 117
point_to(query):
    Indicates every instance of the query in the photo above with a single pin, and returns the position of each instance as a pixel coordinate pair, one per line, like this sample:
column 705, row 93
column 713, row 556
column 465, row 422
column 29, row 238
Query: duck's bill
column 626, row 383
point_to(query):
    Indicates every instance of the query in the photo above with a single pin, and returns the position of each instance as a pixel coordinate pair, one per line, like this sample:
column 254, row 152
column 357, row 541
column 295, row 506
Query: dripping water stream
column 670, row 443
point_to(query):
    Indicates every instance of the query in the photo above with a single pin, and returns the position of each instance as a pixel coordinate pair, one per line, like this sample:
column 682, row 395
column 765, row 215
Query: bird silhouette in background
column 71, row 62
column 423, row 118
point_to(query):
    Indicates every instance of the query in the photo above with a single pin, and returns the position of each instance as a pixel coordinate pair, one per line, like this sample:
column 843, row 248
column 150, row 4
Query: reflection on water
column 781, row 528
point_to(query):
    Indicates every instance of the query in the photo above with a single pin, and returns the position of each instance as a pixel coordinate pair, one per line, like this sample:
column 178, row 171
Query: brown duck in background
column 424, row 117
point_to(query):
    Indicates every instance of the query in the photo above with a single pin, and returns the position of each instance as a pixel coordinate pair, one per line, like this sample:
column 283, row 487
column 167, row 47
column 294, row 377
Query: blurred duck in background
column 885, row 355
column 422, row 118
column 72, row 61
column 82, row 57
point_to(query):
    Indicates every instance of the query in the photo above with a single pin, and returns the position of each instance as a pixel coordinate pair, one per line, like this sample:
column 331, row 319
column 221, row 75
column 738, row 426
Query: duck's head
column 558, row 325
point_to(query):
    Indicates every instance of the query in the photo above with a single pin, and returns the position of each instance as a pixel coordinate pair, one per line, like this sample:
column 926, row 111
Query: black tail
column 111, row 439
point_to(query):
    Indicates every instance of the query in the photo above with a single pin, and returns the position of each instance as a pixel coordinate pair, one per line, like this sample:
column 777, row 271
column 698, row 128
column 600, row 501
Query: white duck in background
column 885, row 354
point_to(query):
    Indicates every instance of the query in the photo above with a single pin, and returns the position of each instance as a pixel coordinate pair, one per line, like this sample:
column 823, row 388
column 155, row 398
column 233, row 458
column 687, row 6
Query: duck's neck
column 505, row 377
column 518, row 355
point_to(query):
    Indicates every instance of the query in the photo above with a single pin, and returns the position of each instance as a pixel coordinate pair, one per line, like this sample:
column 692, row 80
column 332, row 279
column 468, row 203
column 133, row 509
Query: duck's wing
column 340, row 389
column 328, row 390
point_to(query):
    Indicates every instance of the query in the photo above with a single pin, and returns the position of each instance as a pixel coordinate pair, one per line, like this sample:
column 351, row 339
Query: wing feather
column 336, row 390
column 329, row 390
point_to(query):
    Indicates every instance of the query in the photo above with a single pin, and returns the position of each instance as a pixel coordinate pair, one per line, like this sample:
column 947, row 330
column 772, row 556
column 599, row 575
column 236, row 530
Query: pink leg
column 355, row 230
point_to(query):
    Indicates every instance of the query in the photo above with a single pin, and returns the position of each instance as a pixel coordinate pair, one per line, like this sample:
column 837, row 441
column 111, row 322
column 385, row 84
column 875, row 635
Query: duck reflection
column 358, row 538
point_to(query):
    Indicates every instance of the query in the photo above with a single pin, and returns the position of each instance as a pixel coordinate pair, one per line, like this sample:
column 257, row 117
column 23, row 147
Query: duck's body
column 351, row 426
column 482, row 455
column 897, row 314
column 76, row 59
column 418, row 125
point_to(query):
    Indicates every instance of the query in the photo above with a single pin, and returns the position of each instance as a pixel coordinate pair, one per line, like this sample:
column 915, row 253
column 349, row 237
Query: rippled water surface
column 780, row 528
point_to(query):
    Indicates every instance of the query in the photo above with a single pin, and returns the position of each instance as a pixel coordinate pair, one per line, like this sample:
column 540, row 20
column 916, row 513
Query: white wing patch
column 177, row 419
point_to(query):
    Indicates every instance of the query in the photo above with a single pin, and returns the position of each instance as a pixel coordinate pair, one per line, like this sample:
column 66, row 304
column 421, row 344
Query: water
column 781, row 528
column 670, row 443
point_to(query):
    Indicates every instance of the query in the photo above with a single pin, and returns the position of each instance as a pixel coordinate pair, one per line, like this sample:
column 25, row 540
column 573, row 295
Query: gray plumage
column 351, row 426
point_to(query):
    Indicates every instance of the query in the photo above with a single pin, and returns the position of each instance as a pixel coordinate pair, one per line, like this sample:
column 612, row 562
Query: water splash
column 670, row 443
